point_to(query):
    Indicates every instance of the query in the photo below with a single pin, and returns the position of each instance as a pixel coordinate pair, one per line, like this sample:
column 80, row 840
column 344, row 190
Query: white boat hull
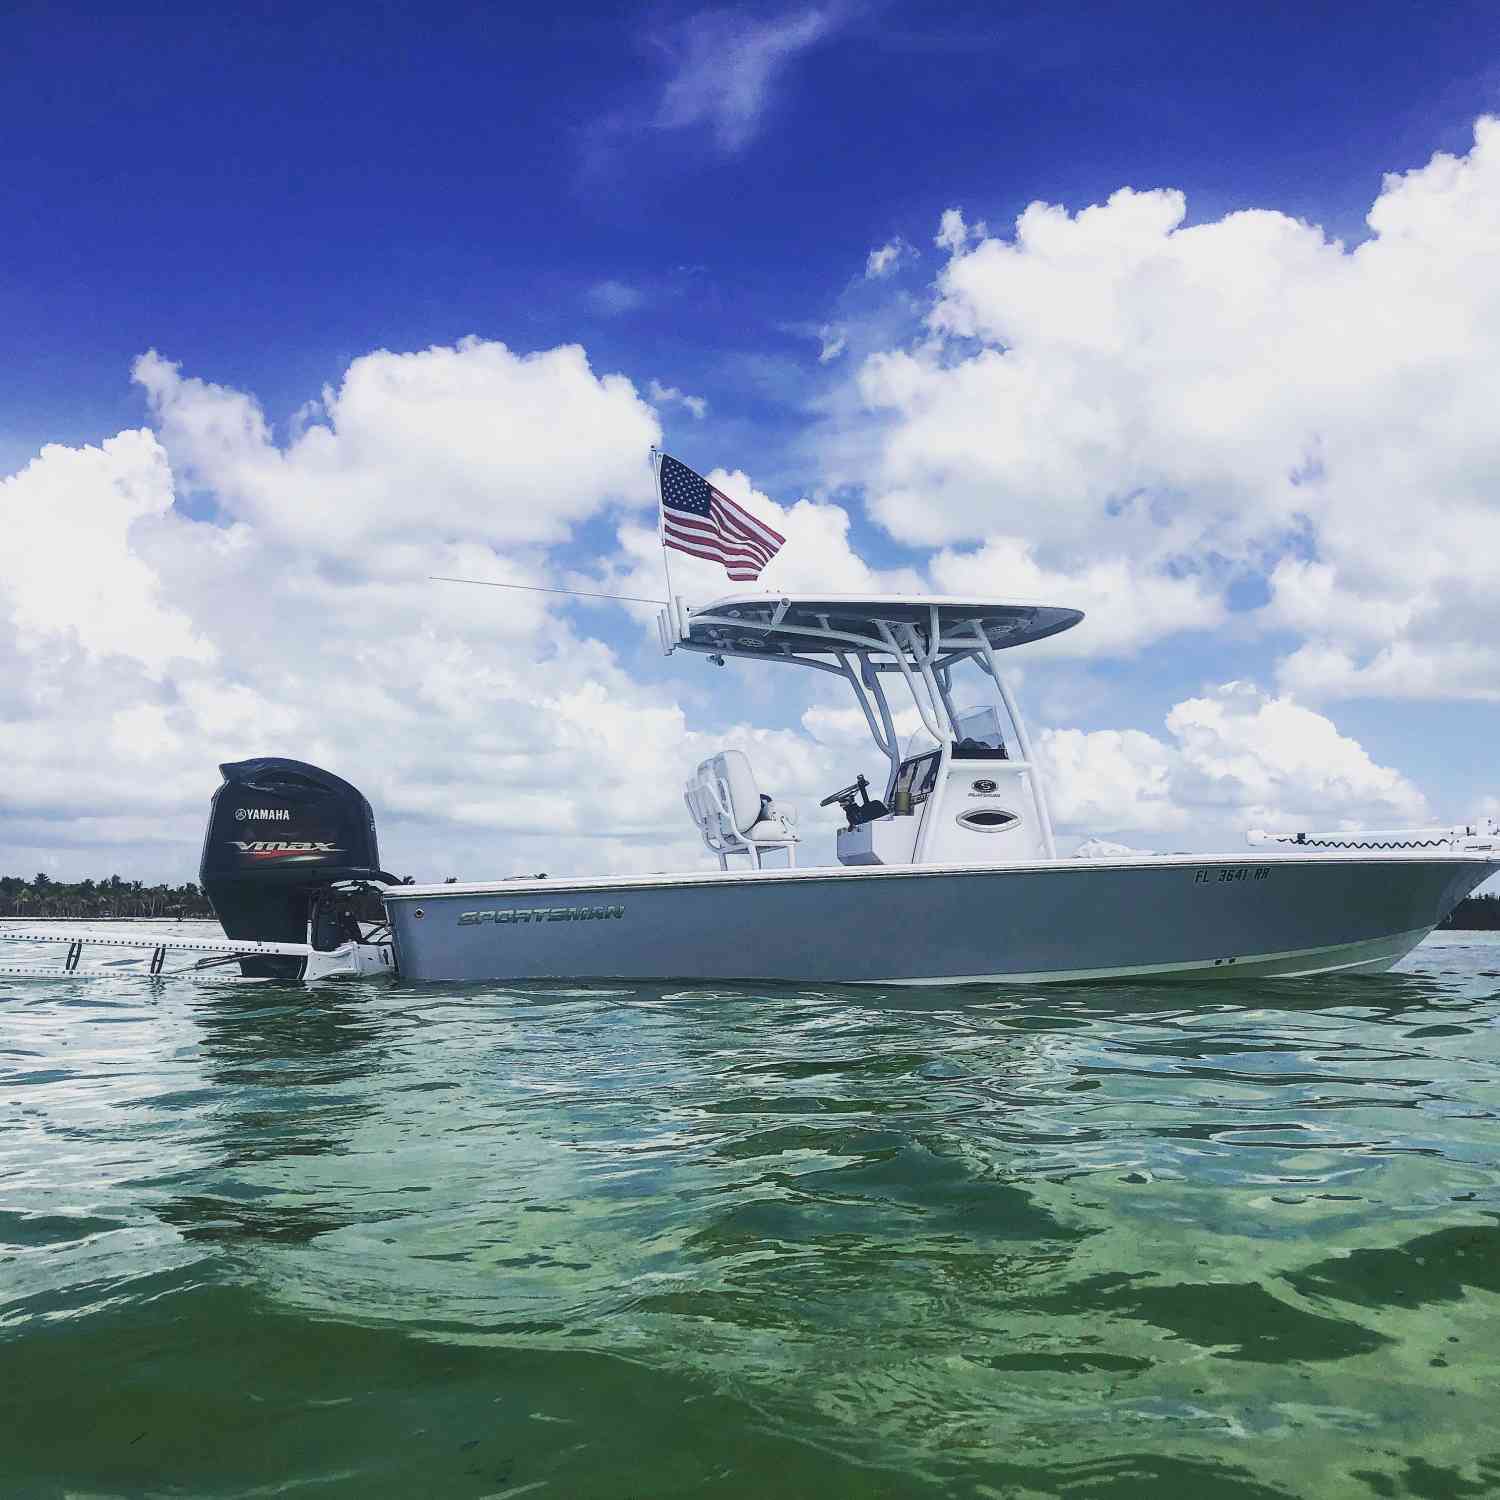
column 1041, row 922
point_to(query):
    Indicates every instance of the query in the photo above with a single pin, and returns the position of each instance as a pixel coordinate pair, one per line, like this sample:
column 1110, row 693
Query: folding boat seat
column 733, row 814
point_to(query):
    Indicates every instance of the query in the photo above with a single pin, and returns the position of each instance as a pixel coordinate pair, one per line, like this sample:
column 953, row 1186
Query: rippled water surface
column 476, row 1241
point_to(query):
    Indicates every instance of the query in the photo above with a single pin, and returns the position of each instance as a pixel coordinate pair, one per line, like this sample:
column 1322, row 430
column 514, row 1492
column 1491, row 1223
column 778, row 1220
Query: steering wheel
column 847, row 795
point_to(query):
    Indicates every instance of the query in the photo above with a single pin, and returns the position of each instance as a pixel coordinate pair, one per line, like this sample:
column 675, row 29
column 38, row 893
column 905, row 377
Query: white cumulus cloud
column 69, row 571
column 1240, row 399
column 1125, row 606
column 1236, row 758
column 141, row 647
column 471, row 441
column 666, row 395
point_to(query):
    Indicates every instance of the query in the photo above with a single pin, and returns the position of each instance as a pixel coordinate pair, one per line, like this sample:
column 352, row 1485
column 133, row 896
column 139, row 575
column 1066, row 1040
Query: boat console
column 961, row 802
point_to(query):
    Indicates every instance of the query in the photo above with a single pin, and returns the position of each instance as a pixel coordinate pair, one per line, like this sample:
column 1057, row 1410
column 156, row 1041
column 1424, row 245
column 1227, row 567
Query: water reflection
column 288, row 1069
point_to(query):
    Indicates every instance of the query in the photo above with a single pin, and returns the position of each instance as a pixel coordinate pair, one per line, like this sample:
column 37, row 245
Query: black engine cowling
column 280, row 832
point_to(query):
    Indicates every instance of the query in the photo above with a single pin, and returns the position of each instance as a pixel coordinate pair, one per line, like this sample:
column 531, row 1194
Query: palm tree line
column 41, row 896
column 1477, row 914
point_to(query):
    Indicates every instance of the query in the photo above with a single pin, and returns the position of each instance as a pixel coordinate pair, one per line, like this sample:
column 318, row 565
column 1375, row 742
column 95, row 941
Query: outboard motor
column 280, row 832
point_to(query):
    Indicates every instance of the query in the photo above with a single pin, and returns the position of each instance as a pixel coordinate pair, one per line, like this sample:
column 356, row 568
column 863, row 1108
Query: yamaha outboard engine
column 280, row 832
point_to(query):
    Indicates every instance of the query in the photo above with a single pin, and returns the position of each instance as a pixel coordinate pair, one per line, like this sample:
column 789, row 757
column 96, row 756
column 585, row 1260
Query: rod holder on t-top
column 672, row 624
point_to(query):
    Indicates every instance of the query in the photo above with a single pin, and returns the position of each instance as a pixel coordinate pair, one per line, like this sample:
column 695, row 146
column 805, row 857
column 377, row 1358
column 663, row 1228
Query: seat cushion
column 771, row 831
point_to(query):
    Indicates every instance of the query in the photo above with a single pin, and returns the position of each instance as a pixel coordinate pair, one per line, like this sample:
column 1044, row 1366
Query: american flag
column 699, row 519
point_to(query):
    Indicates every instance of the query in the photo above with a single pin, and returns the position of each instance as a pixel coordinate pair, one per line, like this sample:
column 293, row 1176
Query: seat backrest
column 723, row 796
column 703, row 800
column 732, row 770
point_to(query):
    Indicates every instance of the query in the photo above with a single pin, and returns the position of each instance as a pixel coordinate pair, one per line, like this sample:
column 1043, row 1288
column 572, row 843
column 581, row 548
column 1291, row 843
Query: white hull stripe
column 1369, row 953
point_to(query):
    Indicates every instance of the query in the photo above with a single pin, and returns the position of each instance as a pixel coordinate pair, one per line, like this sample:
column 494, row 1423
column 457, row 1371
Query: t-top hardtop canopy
column 800, row 625
column 859, row 637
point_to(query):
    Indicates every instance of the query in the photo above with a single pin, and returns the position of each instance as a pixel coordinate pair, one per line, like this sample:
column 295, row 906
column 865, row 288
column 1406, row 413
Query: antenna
column 532, row 588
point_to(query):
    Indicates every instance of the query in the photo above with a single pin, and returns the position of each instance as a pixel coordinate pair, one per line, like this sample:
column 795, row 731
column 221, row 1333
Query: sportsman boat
column 950, row 875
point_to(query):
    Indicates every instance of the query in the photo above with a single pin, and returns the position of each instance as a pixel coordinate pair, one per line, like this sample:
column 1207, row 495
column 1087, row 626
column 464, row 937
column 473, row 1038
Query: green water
column 474, row 1241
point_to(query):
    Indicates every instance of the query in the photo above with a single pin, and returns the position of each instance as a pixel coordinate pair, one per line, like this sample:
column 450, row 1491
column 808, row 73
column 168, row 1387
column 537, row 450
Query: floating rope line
column 1321, row 843
column 531, row 588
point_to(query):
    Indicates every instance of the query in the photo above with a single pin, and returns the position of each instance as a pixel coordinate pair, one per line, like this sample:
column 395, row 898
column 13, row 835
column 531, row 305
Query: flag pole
column 674, row 609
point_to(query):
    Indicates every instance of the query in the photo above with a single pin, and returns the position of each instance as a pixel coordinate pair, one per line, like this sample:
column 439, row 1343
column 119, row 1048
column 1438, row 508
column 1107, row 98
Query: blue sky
column 267, row 194
column 694, row 196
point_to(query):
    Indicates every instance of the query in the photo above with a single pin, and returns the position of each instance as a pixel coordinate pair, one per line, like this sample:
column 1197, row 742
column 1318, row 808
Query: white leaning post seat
column 733, row 816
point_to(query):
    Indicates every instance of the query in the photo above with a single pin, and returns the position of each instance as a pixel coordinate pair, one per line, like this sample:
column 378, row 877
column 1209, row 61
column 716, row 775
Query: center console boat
column 949, row 874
